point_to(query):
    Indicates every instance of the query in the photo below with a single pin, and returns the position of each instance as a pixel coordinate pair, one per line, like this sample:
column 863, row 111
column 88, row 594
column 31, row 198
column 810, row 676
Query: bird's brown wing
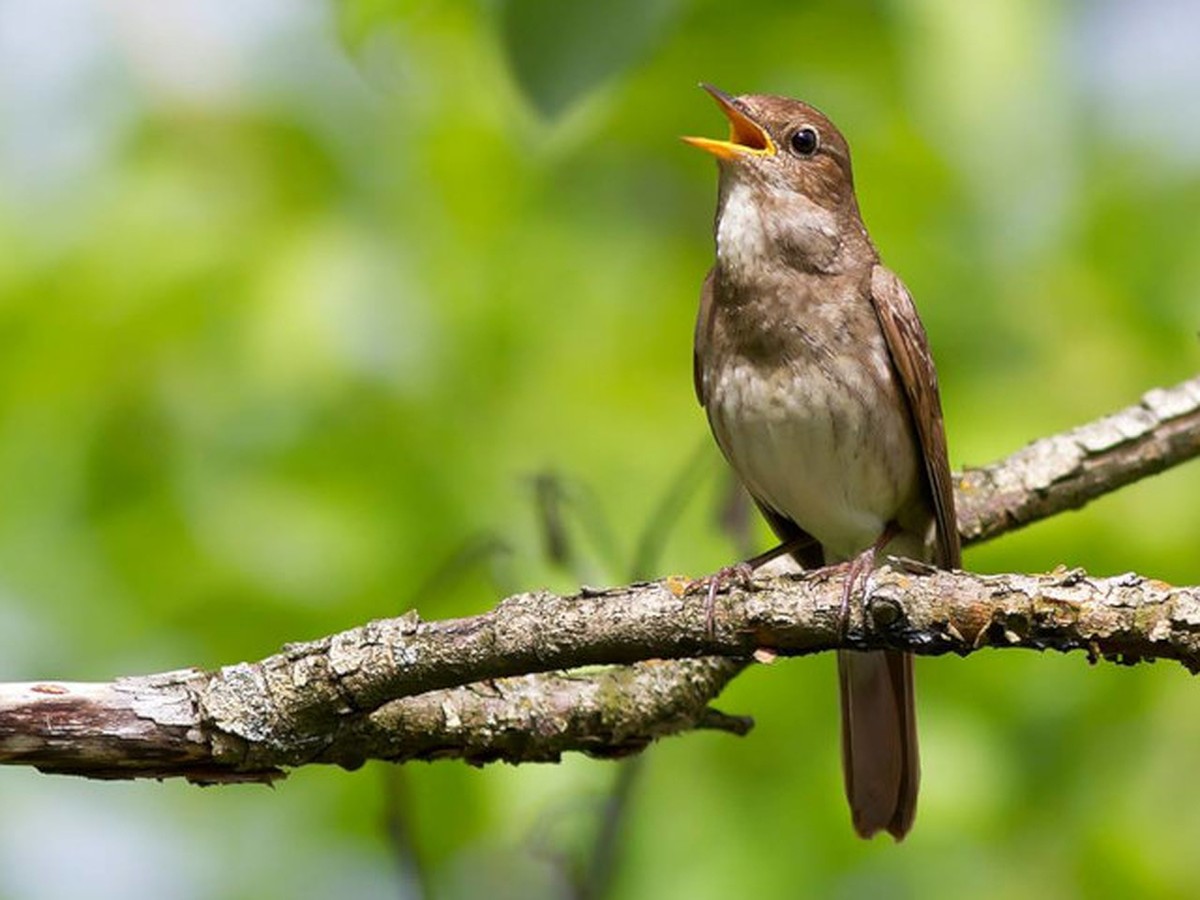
column 909, row 348
column 703, row 333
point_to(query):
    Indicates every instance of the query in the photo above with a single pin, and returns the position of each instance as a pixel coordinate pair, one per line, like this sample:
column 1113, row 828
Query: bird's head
column 782, row 145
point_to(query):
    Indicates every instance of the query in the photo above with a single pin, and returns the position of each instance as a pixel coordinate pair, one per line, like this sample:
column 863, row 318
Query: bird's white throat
column 741, row 231
column 747, row 234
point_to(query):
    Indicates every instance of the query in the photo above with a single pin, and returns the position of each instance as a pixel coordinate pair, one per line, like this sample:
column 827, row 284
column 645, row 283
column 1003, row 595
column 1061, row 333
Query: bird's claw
column 741, row 574
column 859, row 568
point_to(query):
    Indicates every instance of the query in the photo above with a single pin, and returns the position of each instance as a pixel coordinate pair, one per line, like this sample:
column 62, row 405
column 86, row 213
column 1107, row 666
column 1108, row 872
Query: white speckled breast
column 840, row 477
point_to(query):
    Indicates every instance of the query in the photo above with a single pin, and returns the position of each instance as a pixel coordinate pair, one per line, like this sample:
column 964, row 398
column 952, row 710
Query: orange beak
column 746, row 137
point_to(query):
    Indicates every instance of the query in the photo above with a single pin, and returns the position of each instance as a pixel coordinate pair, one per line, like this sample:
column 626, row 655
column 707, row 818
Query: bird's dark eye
column 805, row 141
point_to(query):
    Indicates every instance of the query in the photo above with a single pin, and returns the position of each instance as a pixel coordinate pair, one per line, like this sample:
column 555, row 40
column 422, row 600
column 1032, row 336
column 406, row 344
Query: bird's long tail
column 879, row 740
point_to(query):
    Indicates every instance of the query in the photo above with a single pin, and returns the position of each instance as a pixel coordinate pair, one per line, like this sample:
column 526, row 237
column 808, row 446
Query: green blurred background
column 311, row 313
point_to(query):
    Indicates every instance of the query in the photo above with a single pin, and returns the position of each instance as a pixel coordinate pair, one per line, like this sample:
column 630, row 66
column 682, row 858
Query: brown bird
column 815, row 373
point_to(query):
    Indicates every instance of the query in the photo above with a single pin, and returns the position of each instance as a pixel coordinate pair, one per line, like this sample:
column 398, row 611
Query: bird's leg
column 739, row 573
column 859, row 567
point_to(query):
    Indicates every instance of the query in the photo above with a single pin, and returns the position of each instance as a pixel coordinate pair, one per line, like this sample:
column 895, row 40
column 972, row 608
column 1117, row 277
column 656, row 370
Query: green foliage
column 560, row 51
column 377, row 310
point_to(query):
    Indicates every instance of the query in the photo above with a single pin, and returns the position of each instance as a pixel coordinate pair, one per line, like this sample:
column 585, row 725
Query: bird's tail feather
column 879, row 740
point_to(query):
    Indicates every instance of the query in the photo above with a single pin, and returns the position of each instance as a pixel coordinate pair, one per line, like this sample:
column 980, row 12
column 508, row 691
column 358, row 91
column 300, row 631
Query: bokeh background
column 313, row 312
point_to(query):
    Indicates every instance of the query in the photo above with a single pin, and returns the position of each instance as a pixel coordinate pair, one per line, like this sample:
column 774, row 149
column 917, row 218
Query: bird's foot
column 858, row 568
column 739, row 573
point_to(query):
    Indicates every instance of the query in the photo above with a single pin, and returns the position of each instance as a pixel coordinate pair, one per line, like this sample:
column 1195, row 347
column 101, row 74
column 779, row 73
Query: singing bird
column 815, row 373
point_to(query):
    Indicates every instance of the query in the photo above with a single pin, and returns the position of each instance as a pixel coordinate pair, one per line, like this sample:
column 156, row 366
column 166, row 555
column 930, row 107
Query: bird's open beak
column 746, row 137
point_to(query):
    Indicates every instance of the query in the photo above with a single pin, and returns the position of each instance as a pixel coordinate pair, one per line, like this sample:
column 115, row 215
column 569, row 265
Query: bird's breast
column 823, row 440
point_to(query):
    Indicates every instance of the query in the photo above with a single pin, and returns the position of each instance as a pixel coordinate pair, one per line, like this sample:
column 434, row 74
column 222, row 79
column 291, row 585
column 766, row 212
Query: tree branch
column 404, row 689
column 156, row 726
column 1069, row 470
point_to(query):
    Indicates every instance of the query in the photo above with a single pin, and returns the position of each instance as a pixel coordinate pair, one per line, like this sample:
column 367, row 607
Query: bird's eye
column 805, row 141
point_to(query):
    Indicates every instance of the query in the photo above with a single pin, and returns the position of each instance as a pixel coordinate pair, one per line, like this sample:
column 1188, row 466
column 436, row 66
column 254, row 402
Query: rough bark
column 1068, row 470
column 486, row 687
column 158, row 726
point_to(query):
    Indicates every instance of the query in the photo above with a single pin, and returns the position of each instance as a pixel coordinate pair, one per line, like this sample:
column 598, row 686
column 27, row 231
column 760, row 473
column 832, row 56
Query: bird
column 816, row 376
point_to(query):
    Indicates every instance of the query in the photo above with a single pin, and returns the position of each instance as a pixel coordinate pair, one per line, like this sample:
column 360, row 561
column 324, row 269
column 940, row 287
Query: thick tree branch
column 405, row 689
column 1069, row 470
column 156, row 727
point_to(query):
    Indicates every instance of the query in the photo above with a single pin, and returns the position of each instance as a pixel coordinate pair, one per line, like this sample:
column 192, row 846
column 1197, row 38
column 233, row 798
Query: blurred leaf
column 357, row 19
column 560, row 51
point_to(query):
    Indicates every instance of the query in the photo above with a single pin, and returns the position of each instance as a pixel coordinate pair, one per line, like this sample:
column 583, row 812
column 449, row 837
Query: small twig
column 666, row 512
